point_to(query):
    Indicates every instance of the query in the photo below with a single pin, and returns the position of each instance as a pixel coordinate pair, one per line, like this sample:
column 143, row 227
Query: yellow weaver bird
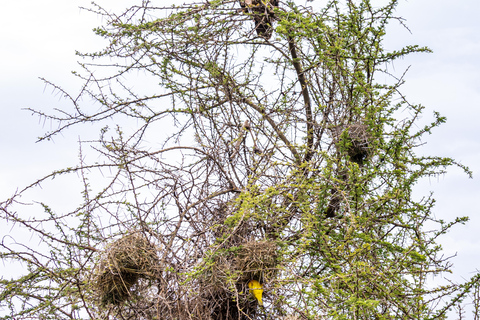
column 256, row 289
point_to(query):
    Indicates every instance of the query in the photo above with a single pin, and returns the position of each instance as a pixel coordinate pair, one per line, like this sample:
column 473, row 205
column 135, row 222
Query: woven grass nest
column 224, row 287
column 256, row 260
column 355, row 140
column 250, row 260
column 122, row 264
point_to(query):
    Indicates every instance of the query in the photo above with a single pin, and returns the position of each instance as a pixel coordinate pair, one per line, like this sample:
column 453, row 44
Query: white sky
column 39, row 39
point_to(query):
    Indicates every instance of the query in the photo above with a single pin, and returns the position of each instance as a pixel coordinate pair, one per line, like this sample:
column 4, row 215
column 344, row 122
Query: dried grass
column 356, row 138
column 121, row 265
column 223, row 287
column 130, row 278
column 256, row 260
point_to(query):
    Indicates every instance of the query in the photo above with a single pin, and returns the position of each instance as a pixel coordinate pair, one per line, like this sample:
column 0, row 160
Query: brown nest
column 355, row 140
column 224, row 286
column 256, row 260
column 263, row 15
column 122, row 264
column 333, row 204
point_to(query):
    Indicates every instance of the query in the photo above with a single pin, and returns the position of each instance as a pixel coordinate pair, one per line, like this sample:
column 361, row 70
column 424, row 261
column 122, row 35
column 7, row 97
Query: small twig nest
column 355, row 140
column 121, row 265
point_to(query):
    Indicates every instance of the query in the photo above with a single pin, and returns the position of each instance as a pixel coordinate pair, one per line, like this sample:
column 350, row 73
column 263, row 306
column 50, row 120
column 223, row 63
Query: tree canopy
column 250, row 141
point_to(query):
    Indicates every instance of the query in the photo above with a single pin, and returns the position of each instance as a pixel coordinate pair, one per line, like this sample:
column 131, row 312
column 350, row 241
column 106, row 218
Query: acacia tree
column 272, row 155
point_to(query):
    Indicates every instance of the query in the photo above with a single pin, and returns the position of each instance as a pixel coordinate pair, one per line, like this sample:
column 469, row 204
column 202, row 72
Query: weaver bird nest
column 256, row 260
column 355, row 140
column 251, row 260
column 122, row 265
column 224, row 285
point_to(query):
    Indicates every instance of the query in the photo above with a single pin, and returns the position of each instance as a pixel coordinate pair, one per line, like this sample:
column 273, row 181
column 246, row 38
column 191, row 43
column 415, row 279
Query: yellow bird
column 256, row 289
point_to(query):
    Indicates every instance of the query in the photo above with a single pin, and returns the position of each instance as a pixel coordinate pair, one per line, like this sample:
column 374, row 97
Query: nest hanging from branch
column 334, row 204
column 122, row 264
column 257, row 260
column 263, row 14
column 224, row 286
column 355, row 140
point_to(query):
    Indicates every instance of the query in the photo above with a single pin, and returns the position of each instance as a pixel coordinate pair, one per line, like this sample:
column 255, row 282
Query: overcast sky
column 39, row 39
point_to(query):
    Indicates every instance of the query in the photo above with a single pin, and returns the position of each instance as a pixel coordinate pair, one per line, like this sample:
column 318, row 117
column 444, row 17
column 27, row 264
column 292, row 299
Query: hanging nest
column 122, row 264
column 222, row 296
column 224, row 286
column 256, row 260
column 263, row 15
column 355, row 140
column 223, row 304
column 333, row 204
column 252, row 260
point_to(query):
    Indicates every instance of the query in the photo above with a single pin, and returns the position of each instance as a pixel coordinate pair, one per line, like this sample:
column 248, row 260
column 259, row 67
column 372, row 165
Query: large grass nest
column 355, row 140
column 224, row 285
column 250, row 260
column 256, row 260
column 122, row 265
column 223, row 304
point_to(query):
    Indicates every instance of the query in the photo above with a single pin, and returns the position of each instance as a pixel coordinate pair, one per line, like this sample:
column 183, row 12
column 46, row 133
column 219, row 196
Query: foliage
column 240, row 157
